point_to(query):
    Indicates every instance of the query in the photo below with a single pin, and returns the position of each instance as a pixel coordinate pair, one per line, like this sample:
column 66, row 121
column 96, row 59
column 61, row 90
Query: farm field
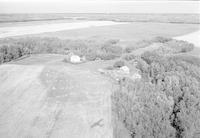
column 38, row 100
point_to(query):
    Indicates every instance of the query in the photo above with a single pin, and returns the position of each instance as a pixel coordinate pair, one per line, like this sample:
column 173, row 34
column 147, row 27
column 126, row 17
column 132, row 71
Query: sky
column 99, row 6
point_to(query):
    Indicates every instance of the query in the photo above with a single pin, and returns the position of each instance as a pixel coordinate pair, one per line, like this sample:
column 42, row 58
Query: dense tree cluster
column 14, row 48
column 168, row 44
column 166, row 101
column 8, row 53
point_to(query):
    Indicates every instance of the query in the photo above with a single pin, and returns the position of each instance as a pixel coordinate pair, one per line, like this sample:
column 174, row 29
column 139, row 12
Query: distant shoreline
column 26, row 21
column 116, row 17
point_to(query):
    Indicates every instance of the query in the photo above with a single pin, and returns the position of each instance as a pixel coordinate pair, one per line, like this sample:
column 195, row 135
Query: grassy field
column 140, row 26
column 134, row 31
column 45, row 97
column 128, row 34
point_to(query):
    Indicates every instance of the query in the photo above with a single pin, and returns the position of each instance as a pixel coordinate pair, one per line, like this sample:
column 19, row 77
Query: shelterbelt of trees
column 11, row 49
column 14, row 48
column 165, row 103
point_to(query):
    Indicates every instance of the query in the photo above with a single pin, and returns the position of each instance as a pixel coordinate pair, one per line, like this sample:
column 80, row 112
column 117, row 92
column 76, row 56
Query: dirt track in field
column 53, row 99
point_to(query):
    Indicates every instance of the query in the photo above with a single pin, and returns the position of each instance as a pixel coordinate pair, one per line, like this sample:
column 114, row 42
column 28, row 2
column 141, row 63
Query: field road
column 42, row 97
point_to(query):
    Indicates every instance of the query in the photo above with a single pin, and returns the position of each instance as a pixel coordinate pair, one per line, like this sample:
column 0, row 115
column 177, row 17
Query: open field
column 42, row 28
column 137, row 26
column 128, row 33
column 125, row 31
column 38, row 100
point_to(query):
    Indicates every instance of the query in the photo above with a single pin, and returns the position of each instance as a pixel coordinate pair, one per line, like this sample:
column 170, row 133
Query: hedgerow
column 168, row 45
column 11, row 48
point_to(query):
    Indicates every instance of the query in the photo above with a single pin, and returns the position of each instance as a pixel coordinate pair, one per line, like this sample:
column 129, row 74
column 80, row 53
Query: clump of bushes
column 174, row 47
column 166, row 101
column 107, row 56
column 118, row 64
column 129, row 56
column 113, row 41
column 179, row 46
column 160, row 39
column 193, row 60
column 108, row 52
column 146, row 43
column 8, row 53
column 14, row 48
column 150, row 57
column 169, row 45
column 137, row 45
column 163, row 50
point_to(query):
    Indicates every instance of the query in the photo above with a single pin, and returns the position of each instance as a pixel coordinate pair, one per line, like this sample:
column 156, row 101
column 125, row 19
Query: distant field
column 128, row 32
column 9, row 31
column 140, row 26
column 126, row 17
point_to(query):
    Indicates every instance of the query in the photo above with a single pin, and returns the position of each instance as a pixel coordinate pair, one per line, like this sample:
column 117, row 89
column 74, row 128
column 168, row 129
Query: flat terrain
column 41, row 96
column 9, row 31
column 127, row 33
column 120, row 17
